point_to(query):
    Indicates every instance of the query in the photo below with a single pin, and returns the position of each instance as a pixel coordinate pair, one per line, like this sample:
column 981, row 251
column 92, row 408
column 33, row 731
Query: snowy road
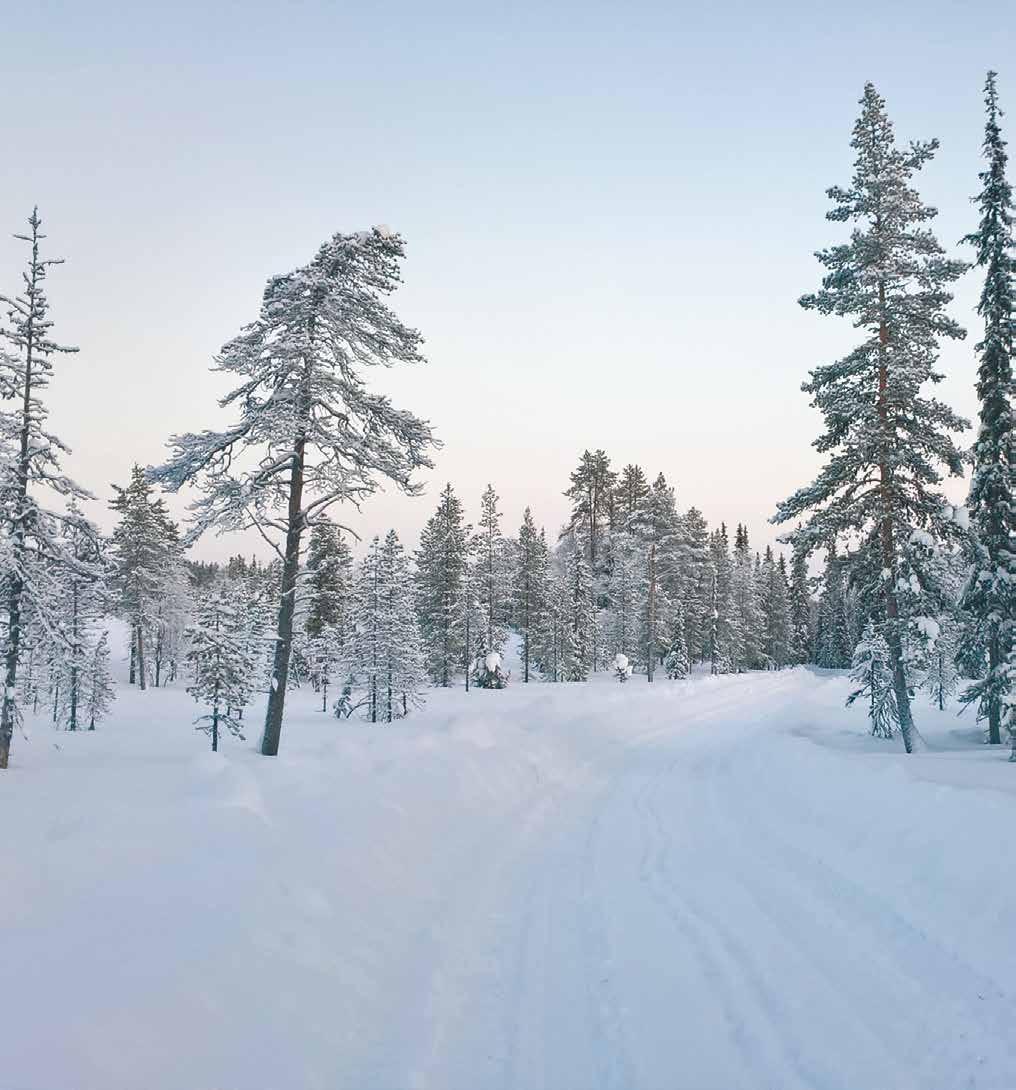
column 716, row 884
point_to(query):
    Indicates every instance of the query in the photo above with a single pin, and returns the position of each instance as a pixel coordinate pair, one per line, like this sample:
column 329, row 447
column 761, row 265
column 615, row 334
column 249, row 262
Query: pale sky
column 610, row 211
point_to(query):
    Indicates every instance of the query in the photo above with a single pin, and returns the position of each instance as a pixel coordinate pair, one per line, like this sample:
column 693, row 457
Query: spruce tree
column 329, row 574
column 580, row 621
column 492, row 575
column 800, row 609
column 442, row 567
column 310, row 433
column 98, row 689
column 403, row 675
column 990, row 595
column 884, row 439
column 220, row 663
column 697, row 580
column 747, row 626
column 385, row 652
column 529, row 591
column 628, row 590
column 775, row 612
column 874, row 674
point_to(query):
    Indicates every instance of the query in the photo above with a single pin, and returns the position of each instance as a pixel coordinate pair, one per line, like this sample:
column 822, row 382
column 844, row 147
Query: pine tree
column 697, row 578
column 220, row 663
column 83, row 602
column 676, row 663
column 834, row 646
column 775, row 612
column 874, row 674
column 385, row 651
column 883, row 438
column 404, row 673
column 529, row 590
column 317, row 435
column 442, row 564
column 631, row 490
column 800, row 610
column 32, row 556
column 492, row 575
column 329, row 575
column 592, row 494
column 745, row 608
column 722, row 636
column 145, row 554
column 628, row 599
column 580, row 620
column 990, row 595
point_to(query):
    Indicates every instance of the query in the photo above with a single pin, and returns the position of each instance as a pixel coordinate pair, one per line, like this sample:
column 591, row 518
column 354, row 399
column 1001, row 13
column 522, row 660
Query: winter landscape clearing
column 563, row 641
column 721, row 882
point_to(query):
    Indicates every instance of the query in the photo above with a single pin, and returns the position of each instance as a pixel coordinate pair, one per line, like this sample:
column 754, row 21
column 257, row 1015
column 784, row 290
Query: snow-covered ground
column 719, row 883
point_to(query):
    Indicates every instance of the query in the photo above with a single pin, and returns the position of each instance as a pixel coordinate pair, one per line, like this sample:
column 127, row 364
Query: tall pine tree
column 884, row 438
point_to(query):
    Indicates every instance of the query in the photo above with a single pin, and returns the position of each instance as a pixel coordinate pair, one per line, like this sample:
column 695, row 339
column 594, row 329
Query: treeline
column 915, row 591
column 628, row 574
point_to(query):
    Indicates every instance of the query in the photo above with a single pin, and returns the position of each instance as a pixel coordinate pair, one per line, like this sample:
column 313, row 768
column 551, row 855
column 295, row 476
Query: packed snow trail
column 719, row 883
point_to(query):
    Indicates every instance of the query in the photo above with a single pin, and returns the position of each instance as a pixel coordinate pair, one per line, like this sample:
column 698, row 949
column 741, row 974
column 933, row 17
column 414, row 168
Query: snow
column 492, row 661
column 721, row 882
column 929, row 628
column 620, row 662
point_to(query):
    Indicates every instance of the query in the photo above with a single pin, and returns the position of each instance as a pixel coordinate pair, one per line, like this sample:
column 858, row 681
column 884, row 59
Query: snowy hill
column 718, row 883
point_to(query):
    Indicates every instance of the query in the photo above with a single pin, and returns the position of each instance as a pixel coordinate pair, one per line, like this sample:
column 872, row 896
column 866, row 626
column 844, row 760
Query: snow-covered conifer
column 221, row 667
column 32, row 554
column 883, row 438
column 873, row 674
column 627, row 588
column 746, row 612
column 442, row 568
column 310, row 434
column 97, row 688
column 146, row 566
column 580, row 622
column 491, row 574
column 529, row 590
column 329, row 576
column 800, row 610
column 697, row 578
column 84, row 602
column 384, row 651
column 990, row 595
column 592, row 496
column 775, row 603
column 631, row 490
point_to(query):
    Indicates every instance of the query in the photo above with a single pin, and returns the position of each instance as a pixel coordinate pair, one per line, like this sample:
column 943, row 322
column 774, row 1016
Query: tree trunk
column 75, row 652
column 887, row 536
column 287, row 607
column 651, row 615
column 142, row 679
column 994, row 703
column 467, row 647
column 134, row 654
column 17, row 586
